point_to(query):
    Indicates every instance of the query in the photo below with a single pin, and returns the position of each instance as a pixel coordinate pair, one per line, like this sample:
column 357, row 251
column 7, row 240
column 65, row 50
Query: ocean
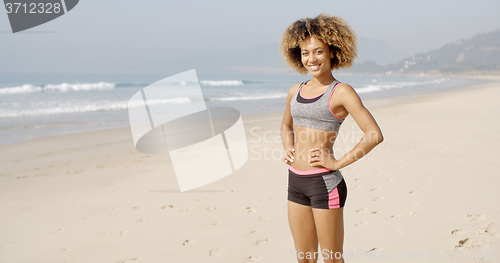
column 45, row 105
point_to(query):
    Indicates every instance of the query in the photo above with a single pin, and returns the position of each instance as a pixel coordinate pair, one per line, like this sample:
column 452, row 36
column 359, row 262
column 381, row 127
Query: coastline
column 91, row 197
column 29, row 131
column 487, row 75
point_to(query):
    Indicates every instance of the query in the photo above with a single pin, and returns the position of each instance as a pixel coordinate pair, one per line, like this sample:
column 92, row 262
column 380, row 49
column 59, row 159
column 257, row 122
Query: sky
column 125, row 36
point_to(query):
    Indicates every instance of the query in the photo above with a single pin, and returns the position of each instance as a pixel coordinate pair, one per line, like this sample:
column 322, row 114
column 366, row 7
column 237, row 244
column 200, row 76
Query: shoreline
column 367, row 101
column 494, row 75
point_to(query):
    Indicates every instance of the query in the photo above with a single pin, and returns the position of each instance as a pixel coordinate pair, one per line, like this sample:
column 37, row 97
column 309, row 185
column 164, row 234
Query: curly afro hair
column 332, row 30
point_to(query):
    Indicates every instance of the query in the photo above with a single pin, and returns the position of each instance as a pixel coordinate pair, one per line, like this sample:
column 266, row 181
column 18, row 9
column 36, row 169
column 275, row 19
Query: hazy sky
column 121, row 35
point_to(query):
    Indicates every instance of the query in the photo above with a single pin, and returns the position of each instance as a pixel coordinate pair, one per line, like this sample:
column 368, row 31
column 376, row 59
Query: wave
column 190, row 83
column 62, row 125
column 89, row 107
column 173, row 101
column 130, row 84
column 269, row 96
column 395, row 85
column 63, row 87
column 221, row 82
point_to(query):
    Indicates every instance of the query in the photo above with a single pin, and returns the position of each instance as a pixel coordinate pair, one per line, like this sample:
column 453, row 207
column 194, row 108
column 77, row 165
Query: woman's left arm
column 372, row 136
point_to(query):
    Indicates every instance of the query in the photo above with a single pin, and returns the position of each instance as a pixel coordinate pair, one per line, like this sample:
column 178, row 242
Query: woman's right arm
column 287, row 136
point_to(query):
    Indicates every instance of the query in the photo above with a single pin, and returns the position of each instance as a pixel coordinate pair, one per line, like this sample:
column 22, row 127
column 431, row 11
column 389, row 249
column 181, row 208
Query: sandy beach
column 429, row 188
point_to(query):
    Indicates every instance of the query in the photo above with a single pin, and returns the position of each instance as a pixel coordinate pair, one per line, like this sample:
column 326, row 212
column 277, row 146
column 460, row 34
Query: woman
column 315, row 109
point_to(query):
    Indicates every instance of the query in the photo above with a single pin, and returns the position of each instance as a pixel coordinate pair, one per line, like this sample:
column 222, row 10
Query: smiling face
column 316, row 56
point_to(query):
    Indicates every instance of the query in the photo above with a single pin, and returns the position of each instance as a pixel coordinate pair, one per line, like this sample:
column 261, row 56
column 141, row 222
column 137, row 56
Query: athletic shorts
column 320, row 188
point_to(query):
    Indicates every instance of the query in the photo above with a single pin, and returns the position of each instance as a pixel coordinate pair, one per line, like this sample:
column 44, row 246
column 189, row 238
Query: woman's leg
column 329, row 225
column 301, row 220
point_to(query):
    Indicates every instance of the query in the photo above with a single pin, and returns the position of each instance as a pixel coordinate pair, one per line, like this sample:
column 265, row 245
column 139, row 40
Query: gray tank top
column 315, row 112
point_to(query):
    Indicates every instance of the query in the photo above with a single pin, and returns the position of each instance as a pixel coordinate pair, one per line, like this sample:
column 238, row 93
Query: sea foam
column 63, row 87
column 221, row 82
column 85, row 107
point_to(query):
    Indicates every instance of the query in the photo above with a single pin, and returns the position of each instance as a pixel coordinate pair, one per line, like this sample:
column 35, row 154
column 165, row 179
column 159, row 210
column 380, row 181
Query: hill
column 478, row 53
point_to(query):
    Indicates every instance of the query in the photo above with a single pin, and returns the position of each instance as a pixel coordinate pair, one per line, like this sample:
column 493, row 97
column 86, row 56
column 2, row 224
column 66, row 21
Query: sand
column 429, row 188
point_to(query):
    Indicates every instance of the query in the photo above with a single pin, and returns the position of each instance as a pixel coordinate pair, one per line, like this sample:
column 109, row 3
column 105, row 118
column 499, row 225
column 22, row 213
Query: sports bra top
column 315, row 112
